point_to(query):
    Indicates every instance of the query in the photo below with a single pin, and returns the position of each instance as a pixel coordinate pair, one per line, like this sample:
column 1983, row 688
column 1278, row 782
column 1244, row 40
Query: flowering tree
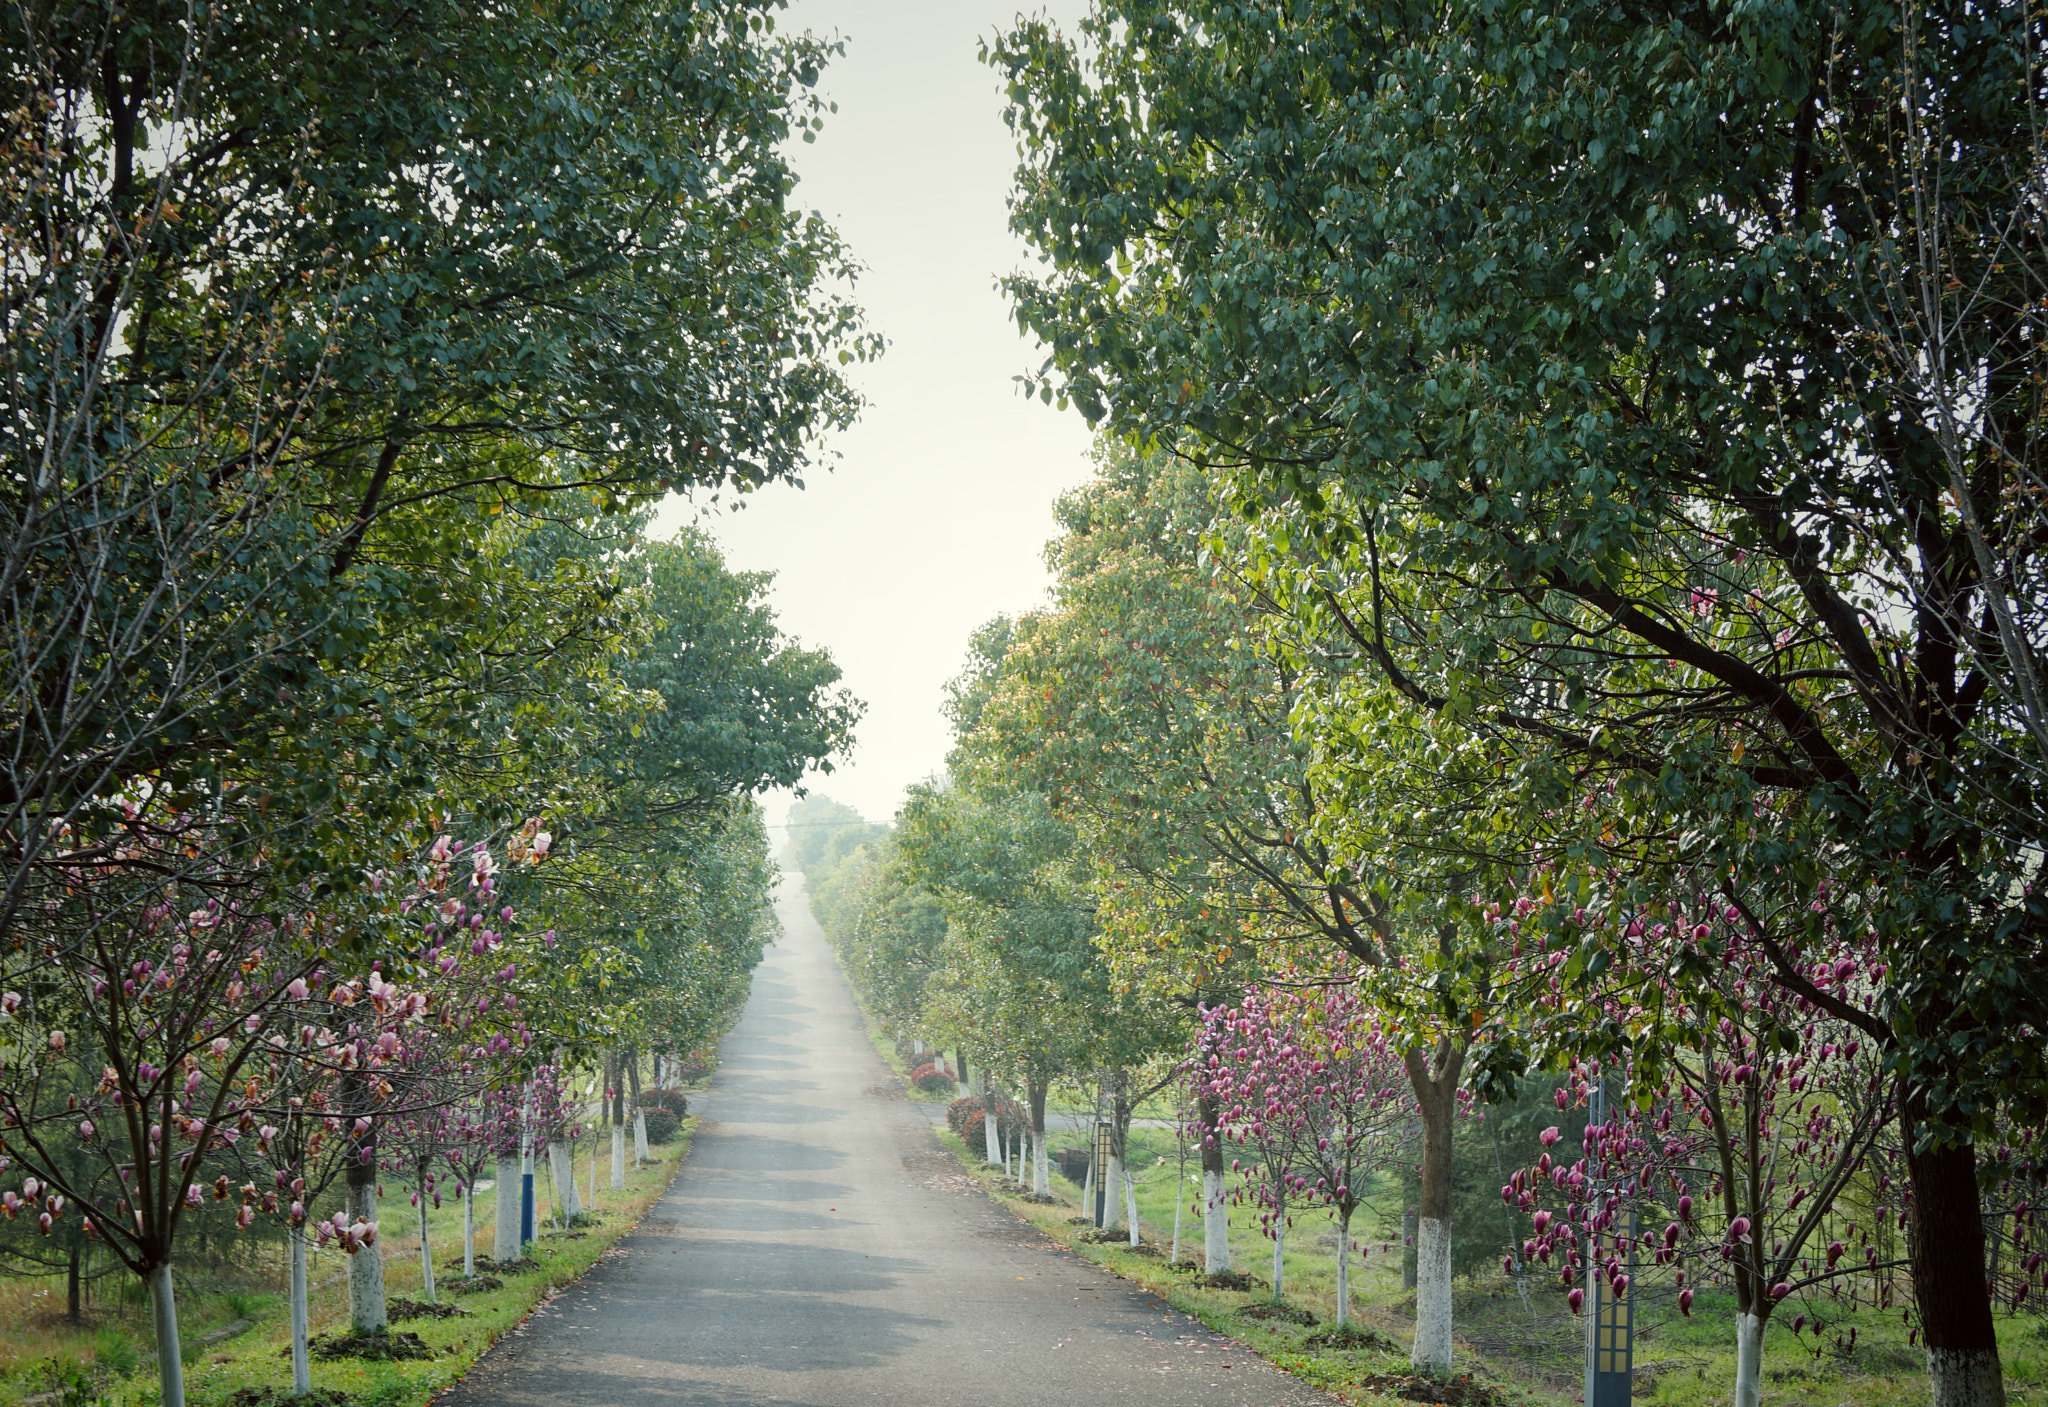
column 1253, row 1081
column 1750, row 1108
column 128, row 1029
column 1356, row 1107
column 481, row 1130
column 1310, row 1083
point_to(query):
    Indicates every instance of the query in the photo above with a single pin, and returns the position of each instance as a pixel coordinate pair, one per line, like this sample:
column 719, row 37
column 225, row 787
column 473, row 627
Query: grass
column 111, row 1359
column 1530, row 1349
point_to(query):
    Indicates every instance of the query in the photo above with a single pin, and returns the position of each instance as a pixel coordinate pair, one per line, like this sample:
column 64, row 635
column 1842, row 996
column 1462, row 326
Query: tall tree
column 1537, row 336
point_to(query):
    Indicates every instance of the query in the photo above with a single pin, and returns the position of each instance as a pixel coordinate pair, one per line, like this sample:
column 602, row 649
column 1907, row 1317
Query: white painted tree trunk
column 1343, row 1271
column 1088, row 1191
column 566, row 1201
column 1749, row 1360
column 366, row 1313
column 1131, row 1203
column 641, row 1154
column 468, row 1233
column 505, row 1247
column 1279, row 1254
column 992, row 1137
column 1966, row 1378
column 426, row 1254
column 1112, row 1204
column 1431, row 1352
column 1041, row 1172
column 170, row 1365
column 302, row 1366
column 618, row 1158
column 1215, row 1225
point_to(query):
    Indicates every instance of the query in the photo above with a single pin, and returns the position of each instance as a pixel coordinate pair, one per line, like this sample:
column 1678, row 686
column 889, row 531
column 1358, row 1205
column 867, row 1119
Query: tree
column 1534, row 338
column 1316, row 1068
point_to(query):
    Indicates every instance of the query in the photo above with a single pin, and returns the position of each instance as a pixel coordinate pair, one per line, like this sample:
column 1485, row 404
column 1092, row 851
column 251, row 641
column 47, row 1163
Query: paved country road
column 820, row 1247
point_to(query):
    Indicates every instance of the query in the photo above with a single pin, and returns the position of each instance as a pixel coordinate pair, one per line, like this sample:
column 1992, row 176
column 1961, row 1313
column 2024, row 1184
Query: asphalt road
column 820, row 1247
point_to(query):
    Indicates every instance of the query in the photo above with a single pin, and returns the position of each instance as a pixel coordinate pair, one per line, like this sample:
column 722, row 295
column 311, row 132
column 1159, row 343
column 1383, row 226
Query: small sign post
column 1610, row 1318
column 1105, row 1143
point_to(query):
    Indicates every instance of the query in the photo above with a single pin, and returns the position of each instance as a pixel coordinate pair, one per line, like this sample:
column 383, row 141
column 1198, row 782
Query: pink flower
column 57, row 1041
column 1577, row 1300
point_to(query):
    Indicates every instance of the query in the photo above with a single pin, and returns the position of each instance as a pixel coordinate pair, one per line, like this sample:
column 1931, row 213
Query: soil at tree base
column 820, row 1247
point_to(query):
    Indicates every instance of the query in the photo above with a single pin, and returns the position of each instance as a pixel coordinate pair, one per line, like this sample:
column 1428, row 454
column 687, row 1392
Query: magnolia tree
column 1309, row 1086
column 1720, row 1152
column 336, row 1039
column 129, row 1029
column 477, row 1134
column 1355, row 1107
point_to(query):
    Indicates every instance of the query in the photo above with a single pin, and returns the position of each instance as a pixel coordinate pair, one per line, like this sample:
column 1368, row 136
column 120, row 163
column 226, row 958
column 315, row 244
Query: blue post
column 525, row 1209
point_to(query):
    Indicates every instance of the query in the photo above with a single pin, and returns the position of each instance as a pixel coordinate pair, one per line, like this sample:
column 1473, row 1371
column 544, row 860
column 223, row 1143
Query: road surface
column 820, row 1247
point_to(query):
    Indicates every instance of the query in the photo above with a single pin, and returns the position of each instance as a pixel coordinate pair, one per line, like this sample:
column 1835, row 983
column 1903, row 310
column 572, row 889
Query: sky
column 935, row 512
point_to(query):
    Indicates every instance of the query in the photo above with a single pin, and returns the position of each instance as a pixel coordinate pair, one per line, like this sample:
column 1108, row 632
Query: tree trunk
column 560, row 1164
column 1343, row 1268
column 1131, row 1202
column 170, row 1365
column 468, row 1232
column 302, row 1366
column 618, row 1103
column 1279, row 1247
column 992, row 1136
column 1215, row 1191
column 1112, row 1201
column 74, row 1311
column 1749, row 1360
column 366, row 1312
column 1041, row 1173
column 505, row 1247
column 1435, row 1082
column 641, row 1155
column 426, row 1253
column 960, row 1059
column 1946, row 1248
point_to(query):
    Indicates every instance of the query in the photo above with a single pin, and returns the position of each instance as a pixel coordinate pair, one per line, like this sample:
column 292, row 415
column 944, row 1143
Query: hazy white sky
column 934, row 515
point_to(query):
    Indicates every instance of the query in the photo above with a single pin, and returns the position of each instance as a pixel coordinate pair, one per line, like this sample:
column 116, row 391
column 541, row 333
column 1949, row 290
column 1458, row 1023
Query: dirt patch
column 1080, row 1221
column 1461, row 1391
column 386, row 1348
column 1190, row 1267
column 486, row 1266
column 1231, row 1280
column 281, row 1397
column 420, row 1309
column 474, row 1287
column 1285, row 1313
column 1352, row 1337
column 1042, row 1199
column 1146, row 1248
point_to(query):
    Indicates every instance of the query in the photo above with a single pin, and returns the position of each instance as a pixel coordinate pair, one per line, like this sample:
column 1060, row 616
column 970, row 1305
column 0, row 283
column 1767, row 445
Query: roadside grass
column 1530, row 1348
column 110, row 1359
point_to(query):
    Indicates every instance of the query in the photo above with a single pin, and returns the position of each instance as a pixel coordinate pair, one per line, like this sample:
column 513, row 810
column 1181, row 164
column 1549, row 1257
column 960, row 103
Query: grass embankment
column 108, row 1359
column 1527, row 1351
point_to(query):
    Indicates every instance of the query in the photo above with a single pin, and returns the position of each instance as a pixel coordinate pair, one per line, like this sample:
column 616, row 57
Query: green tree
column 1535, row 338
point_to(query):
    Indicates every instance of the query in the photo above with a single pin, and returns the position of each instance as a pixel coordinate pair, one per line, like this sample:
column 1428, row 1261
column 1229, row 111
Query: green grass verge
column 258, row 1359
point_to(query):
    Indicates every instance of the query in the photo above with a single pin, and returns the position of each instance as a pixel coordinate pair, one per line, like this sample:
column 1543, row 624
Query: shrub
column 967, row 1116
column 662, row 1125
column 932, row 1078
column 673, row 1100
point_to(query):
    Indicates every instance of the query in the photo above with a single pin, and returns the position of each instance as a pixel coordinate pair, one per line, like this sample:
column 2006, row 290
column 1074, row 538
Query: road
column 820, row 1247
